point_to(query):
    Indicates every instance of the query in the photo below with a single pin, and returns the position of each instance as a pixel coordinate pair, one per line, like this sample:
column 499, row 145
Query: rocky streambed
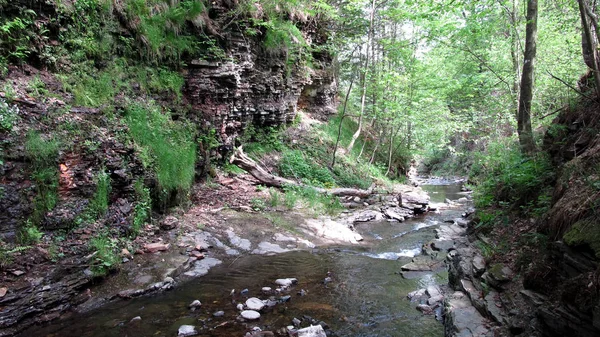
column 343, row 276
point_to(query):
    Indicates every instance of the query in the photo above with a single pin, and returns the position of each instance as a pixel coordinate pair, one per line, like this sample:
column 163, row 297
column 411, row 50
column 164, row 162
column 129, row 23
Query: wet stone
column 186, row 330
column 286, row 282
column 254, row 303
column 312, row 331
column 250, row 314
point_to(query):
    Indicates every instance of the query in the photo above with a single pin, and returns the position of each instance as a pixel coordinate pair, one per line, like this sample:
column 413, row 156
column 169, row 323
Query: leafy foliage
column 508, row 177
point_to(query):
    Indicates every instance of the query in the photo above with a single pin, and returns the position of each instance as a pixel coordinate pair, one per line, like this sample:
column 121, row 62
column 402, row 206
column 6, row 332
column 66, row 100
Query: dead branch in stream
column 243, row 161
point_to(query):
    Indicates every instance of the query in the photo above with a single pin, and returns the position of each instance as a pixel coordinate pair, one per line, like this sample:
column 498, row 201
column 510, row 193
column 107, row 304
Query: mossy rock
column 585, row 232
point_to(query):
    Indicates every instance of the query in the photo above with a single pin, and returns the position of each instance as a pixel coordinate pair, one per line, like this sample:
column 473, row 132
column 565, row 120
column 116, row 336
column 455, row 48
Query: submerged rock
column 250, row 314
column 187, row 330
column 286, row 282
column 312, row 331
column 254, row 303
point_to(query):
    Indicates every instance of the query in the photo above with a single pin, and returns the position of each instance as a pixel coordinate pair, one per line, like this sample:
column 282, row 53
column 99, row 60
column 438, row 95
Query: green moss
column 585, row 232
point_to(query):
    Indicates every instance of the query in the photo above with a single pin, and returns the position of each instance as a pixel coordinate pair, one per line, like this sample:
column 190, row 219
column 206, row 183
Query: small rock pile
column 254, row 307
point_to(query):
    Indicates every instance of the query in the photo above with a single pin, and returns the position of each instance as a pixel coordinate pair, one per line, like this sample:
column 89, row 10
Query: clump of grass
column 99, row 203
column 170, row 144
column 106, row 258
column 142, row 208
column 43, row 153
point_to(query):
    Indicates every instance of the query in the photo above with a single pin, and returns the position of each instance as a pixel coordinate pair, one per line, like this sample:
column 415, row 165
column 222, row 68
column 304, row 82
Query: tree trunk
column 246, row 163
column 589, row 45
column 364, row 83
column 524, row 116
column 337, row 141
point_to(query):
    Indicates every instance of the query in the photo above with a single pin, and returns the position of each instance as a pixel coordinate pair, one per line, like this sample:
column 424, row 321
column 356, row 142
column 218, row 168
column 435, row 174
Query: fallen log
column 243, row 161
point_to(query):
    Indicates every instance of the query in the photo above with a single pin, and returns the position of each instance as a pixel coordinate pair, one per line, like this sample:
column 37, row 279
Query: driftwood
column 246, row 163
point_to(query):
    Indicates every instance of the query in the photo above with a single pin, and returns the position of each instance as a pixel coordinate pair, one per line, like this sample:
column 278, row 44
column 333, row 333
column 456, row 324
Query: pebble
column 285, row 298
column 296, row 321
column 186, row 330
column 195, row 304
column 250, row 314
column 266, row 290
column 302, row 292
column 286, row 282
column 240, row 307
column 244, row 292
column 135, row 319
column 219, row 313
column 254, row 303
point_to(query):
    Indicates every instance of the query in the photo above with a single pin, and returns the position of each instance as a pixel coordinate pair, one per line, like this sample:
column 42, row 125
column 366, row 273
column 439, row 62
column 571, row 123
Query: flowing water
column 365, row 297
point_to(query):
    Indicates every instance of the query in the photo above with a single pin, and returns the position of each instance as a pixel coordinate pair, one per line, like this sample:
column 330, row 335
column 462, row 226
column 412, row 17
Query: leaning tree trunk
column 526, row 96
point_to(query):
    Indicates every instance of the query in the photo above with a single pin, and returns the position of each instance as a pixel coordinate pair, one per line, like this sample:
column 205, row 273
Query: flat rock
column 201, row 267
column 283, row 238
column 442, row 245
column 243, row 244
column 169, row 222
column 250, row 314
column 286, row 282
column 433, row 291
column 254, row 303
column 394, row 214
column 369, row 215
column 494, row 306
column 462, row 319
column 155, row 247
column 478, row 265
column 312, row 331
column 267, row 247
column 186, row 330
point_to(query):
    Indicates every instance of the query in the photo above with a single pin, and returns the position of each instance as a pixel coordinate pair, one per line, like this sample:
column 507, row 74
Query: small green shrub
column 8, row 115
column 106, row 258
column 319, row 203
column 259, row 141
column 294, row 164
column 99, row 203
column 142, row 208
column 30, row 234
column 506, row 176
column 274, row 197
column 258, row 204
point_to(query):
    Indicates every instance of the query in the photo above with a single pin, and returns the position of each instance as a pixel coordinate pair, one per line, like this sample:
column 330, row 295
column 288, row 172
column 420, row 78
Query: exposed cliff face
column 256, row 85
column 251, row 86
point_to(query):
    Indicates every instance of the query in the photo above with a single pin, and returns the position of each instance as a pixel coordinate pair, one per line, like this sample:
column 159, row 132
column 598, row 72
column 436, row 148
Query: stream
column 355, row 290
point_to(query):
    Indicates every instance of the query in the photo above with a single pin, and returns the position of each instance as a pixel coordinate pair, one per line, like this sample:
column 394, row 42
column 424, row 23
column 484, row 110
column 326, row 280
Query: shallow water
column 366, row 296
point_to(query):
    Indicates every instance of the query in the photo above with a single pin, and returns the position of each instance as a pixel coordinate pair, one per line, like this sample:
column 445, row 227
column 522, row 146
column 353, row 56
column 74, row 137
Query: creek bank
column 190, row 243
